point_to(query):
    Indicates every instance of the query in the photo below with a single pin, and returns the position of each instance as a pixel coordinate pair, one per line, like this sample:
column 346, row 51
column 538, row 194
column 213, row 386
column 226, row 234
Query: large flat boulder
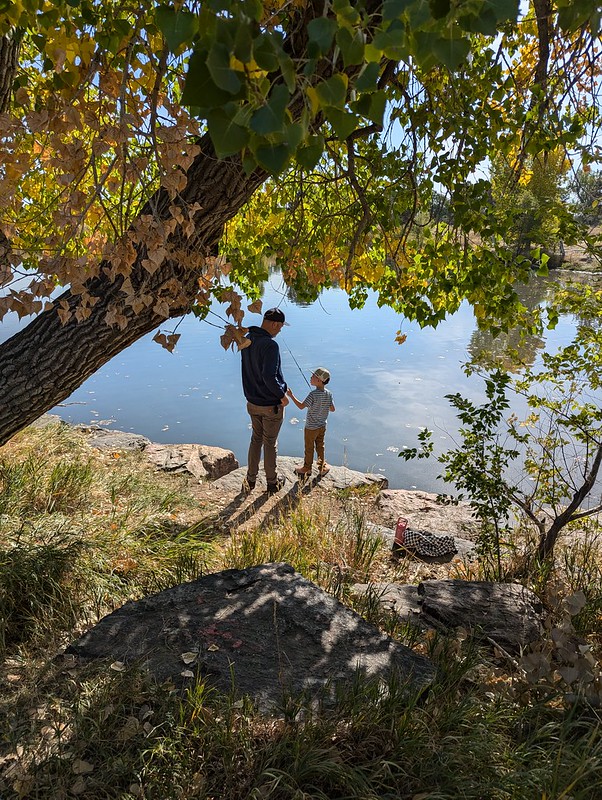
column 423, row 512
column 338, row 478
column 105, row 439
column 266, row 628
column 201, row 461
column 505, row 614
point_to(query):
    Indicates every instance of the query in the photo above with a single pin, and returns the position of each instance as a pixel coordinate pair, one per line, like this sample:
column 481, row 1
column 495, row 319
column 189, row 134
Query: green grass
column 81, row 532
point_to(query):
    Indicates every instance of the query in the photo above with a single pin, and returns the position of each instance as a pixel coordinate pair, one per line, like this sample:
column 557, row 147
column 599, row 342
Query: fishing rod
column 297, row 363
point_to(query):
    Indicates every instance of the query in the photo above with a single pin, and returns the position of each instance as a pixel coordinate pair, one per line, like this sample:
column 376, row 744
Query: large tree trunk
column 44, row 363
column 10, row 45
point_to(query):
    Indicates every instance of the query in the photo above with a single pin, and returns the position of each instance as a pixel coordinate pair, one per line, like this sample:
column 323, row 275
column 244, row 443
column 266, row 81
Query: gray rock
column 266, row 628
column 47, row 419
column 503, row 614
column 104, row 439
column 404, row 601
column 423, row 512
column 337, row 478
column 202, row 461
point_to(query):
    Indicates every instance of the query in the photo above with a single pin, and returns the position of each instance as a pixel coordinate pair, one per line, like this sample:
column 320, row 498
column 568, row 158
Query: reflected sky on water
column 384, row 392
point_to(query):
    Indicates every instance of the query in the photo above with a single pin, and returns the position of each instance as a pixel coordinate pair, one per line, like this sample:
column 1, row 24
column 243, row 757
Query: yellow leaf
column 313, row 99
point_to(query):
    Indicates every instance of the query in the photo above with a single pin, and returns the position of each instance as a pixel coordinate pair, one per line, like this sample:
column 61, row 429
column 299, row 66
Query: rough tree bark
column 10, row 46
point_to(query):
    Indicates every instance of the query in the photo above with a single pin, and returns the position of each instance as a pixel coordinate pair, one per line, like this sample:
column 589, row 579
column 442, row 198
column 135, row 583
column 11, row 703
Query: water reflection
column 515, row 349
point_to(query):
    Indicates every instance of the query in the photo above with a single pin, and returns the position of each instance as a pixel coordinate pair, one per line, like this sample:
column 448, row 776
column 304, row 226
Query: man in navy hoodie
column 265, row 389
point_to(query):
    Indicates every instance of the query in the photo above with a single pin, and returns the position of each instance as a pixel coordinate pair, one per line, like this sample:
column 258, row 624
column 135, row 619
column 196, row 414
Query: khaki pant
column 266, row 422
column 314, row 437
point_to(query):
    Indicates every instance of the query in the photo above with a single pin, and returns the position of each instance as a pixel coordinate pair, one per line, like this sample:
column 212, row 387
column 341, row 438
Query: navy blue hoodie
column 262, row 379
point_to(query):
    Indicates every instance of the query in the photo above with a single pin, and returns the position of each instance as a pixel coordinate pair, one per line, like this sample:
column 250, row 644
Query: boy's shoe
column 324, row 470
column 248, row 485
column 301, row 471
column 277, row 486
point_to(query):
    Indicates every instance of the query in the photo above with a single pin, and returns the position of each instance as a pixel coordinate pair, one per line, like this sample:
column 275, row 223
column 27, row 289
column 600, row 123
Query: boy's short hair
column 322, row 374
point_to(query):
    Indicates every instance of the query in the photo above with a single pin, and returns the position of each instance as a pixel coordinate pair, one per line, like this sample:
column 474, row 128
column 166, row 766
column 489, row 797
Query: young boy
column 318, row 403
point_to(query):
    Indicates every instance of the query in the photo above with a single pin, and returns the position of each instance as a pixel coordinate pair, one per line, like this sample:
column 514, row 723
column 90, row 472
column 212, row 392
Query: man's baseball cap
column 322, row 374
column 275, row 315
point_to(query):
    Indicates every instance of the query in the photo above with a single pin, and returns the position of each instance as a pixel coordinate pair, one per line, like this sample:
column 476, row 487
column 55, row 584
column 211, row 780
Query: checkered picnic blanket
column 429, row 544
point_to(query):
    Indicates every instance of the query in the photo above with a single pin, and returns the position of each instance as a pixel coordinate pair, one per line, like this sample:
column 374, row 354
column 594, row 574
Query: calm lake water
column 384, row 392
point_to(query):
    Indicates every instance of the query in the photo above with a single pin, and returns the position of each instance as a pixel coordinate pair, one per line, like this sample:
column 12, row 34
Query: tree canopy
column 156, row 155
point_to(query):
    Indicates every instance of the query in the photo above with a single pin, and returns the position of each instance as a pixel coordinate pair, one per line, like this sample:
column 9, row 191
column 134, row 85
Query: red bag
column 400, row 531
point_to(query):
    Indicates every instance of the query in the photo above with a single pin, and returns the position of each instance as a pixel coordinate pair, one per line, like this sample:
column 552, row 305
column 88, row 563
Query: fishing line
column 296, row 362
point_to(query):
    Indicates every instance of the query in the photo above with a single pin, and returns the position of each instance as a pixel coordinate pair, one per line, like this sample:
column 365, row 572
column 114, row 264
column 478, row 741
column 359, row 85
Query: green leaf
column 419, row 13
column 270, row 118
column 228, row 138
column 352, row 46
column 431, row 49
column 577, row 13
column 485, row 22
column 218, row 64
column 287, row 68
column 321, row 32
column 249, row 164
column 272, row 157
column 243, row 43
column 372, row 53
column 393, row 42
column 294, row 134
column 254, row 8
column 176, row 26
column 508, row 9
column 266, row 52
column 393, row 9
column 346, row 13
column 368, row 77
column 199, row 88
column 309, row 155
column 372, row 106
column 224, row 33
column 451, row 52
column 333, row 92
column 343, row 122
column 439, row 8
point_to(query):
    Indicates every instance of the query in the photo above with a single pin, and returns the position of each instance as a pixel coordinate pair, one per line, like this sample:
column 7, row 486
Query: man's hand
column 284, row 400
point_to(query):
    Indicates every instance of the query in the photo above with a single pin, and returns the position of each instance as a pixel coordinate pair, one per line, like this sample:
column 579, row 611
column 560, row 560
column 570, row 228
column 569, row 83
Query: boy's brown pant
column 314, row 437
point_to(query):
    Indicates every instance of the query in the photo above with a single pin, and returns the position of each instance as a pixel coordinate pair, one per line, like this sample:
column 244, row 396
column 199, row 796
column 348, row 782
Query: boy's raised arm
column 298, row 403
